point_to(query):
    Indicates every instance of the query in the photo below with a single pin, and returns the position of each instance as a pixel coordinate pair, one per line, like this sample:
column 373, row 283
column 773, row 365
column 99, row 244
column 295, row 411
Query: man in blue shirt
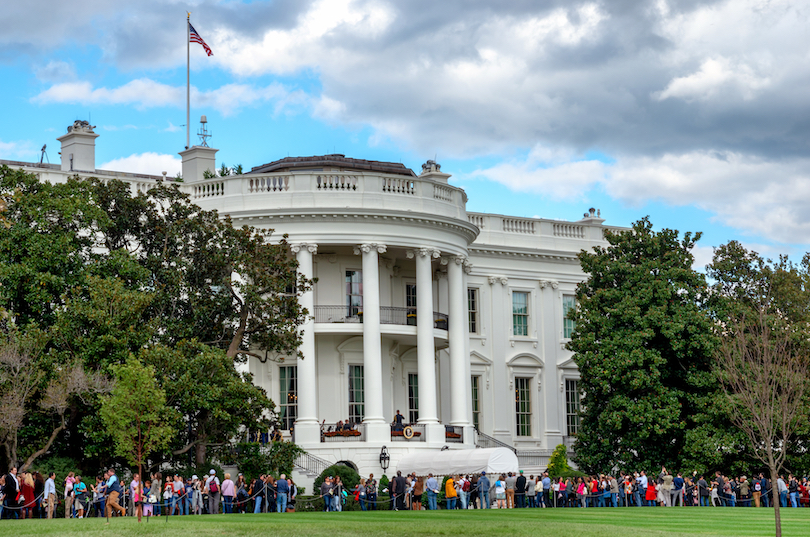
column 49, row 494
column 114, row 491
column 483, row 490
column 282, row 492
column 546, row 490
column 432, row 487
column 677, row 490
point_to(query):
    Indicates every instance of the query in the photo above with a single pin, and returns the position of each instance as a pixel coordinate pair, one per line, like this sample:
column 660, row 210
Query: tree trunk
column 776, row 497
column 45, row 448
column 200, row 453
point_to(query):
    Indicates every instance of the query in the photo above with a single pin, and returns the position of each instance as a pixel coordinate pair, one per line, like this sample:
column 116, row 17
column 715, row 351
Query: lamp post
column 385, row 459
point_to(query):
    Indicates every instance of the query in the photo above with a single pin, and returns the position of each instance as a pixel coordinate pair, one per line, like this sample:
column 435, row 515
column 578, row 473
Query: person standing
column 432, row 491
column 157, row 491
column 676, row 494
column 520, row 490
column 781, row 488
column 450, row 493
column 282, row 494
column 547, row 501
column 228, row 492
column 510, row 490
column 418, row 490
column 401, row 487
column 666, row 489
column 137, row 495
column 212, row 487
column 69, row 482
column 483, row 490
column 326, row 493
column 114, row 491
column 757, row 491
column 49, row 493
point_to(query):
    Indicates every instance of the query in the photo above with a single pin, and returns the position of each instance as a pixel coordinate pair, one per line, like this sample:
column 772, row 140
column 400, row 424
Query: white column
column 307, row 430
column 458, row 334
column 376, row 425
column 426, row 351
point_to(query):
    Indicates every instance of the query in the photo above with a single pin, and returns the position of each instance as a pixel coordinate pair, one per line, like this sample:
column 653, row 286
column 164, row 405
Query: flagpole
column 188, row 79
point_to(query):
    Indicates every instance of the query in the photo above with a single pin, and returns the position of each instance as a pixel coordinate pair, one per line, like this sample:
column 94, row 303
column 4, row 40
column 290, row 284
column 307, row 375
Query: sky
column 696, row 113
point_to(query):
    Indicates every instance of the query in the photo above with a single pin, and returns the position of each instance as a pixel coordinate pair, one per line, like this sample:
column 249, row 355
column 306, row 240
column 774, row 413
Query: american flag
column 194, row 37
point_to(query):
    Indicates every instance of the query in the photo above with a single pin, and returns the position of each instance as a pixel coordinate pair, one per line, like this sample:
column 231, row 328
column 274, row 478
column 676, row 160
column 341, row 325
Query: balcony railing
column 388, row 315
column 400, row 435
column 330, row 432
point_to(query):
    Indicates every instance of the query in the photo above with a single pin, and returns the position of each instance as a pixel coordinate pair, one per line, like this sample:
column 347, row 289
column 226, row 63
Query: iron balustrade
column 388, row 315
column 454, row 434
column 418, row 433
column 331, row 433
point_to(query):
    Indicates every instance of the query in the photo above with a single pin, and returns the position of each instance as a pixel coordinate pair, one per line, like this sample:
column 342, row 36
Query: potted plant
column 411, row 319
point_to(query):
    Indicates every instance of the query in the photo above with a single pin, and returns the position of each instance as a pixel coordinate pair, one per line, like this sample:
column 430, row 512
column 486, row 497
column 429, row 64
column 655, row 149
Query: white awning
column 466, row 461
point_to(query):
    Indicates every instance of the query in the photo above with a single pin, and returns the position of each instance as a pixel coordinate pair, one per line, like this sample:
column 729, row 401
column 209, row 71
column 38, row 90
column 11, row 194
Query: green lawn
column 673, row 522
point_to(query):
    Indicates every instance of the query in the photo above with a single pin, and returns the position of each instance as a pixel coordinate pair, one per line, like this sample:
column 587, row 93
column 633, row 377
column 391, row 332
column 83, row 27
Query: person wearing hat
column 212, row 485
column 483, row 490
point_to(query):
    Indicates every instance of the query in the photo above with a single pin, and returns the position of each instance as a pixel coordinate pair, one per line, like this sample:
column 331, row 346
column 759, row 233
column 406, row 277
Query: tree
column 213, row 398
column 643, row 344
column 558, row 462
column 135, row 413
column 762, row 310
column 23, row 378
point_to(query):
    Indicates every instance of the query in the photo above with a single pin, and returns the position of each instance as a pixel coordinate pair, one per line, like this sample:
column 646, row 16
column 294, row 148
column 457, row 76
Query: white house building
column 456, row 319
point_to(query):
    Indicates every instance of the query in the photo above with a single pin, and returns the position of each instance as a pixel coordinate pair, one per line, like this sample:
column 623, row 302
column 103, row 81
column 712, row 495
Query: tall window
column 520, row 313
column 569, row 305
column 472, row 309
column 476, row 402
column 413, row 397
column 523, row 406
column 410, row 296
column 357, row 398
column 572, row 406
column 288, row 395
column 354, row 292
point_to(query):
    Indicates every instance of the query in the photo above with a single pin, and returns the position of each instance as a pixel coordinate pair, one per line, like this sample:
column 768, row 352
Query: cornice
column 460, row 227
column 491, row 251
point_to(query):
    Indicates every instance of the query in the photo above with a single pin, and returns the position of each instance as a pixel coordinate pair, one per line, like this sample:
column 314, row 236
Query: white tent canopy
column 467, row 461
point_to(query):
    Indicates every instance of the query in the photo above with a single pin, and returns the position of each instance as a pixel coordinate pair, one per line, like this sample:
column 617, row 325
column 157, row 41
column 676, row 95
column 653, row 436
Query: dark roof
column 334, row 161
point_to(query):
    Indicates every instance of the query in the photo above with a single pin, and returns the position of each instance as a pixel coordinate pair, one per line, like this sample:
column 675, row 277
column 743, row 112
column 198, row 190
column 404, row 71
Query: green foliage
column 348, row 476
column 643, row 343
column 135, row 413
column 208, row 174
column 238, row 170
column 254, row 459
column 383, row 482
column 558, row 462
column 61, row 466
column 224, row 171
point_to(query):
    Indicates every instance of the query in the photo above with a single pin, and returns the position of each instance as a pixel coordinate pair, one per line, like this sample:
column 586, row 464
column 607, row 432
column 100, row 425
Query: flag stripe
column 194, row 37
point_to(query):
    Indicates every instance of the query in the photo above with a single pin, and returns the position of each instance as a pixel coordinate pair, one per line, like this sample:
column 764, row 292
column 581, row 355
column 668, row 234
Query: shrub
column 558, row 462
column 347, row 475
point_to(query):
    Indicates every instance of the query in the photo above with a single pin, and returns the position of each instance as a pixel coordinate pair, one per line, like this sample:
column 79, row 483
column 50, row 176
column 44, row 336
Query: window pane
column 476, row 403
column 356, row 394
column 569, row 304
column 354, row 292
column 572, row 406
column 520, row 313
column 288, row 396
column 472, row 308
column 413, row 397
column 523, row 406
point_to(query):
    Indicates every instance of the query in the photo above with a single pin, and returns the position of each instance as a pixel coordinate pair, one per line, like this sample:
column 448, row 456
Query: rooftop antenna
column 203, row 133
column 44, row 154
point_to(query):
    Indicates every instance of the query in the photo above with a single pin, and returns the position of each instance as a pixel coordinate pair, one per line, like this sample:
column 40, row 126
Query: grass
column 606, row 522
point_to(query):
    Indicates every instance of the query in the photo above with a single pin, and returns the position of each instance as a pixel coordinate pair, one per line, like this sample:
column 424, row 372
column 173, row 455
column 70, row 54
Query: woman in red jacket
column 651, row 494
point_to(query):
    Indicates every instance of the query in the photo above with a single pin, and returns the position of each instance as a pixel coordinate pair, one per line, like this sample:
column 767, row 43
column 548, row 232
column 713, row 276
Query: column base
column 308, row 434
column 434, row 434
column 378, row 432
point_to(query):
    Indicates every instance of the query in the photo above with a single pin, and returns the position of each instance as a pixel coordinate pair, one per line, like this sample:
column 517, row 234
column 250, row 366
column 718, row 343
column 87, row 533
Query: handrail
column 485, row 441
column 312, row 464
column 388, row 315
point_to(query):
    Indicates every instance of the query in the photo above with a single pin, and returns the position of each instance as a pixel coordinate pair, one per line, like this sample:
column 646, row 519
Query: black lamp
column 385, row 458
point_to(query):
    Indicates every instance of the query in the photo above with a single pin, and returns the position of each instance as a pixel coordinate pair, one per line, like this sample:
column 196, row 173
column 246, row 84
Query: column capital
column 495, row 279
column 308, row 246
column 433, row 253
column 554, row 284
column 368, row 247
column 467, row 266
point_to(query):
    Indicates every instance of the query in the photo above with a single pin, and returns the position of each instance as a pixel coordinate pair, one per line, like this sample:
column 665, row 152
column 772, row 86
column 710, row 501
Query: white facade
column 450, row 301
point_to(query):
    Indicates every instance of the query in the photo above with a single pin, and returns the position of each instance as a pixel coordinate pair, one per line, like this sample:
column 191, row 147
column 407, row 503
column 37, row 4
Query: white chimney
column 79, row 148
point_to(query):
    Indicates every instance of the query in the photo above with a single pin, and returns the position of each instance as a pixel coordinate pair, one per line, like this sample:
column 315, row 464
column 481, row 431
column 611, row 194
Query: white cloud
column 714, row 76
column 56, row 71
column 145, row 93
column 146, row 163
column 552, row 173
column 759, row 196
column 22, row 149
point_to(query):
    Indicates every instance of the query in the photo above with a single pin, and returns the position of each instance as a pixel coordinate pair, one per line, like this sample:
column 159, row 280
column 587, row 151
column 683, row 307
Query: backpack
column 466, row 486
column 757, row 486
column 212, row 486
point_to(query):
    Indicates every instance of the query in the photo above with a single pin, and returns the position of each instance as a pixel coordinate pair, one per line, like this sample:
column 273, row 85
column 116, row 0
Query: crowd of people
column 516, row 490
column 30, row 495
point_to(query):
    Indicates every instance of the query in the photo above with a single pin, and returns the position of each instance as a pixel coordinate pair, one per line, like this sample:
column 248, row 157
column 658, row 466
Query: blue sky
column 691, row 112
